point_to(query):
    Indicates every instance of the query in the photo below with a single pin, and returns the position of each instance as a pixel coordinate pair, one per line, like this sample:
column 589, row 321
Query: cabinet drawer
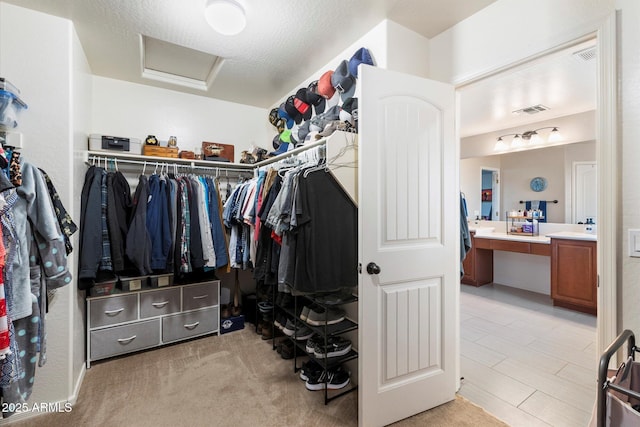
column 112, row 310
column 199, row 296
column 185, row 325
column 540, row 249
column 157, row 303
column 507, row 245
column 482, row 243
column 124, row 339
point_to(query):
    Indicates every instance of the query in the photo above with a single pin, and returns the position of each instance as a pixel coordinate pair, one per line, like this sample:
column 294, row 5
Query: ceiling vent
column 171, row 63
column 534, row 109
column 586, row 54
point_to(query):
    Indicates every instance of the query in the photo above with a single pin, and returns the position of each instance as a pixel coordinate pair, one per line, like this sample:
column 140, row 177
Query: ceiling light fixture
column 227, row 17
column 528, row 138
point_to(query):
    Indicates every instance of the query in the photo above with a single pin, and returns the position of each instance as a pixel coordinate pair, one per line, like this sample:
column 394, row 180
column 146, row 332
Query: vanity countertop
column 515, row 238
column 573, row 235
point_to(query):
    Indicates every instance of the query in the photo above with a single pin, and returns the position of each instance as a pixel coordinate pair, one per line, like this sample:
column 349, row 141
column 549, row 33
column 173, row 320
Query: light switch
column 634, row 242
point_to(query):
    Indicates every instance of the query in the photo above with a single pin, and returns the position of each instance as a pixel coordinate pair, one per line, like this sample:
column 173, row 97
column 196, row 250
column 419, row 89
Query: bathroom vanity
column 565, row 262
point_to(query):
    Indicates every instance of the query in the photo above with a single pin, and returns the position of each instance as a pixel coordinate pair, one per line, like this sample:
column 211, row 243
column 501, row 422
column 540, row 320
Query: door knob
column 373, row 268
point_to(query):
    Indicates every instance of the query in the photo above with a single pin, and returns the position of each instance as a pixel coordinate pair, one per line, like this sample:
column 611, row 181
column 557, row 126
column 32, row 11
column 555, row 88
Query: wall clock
column 538, row 183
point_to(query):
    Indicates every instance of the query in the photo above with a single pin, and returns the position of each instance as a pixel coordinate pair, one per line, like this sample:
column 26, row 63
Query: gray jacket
column 34, row 206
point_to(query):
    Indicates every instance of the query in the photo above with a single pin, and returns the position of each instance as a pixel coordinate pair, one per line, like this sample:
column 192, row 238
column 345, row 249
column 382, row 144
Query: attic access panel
column 172, row 63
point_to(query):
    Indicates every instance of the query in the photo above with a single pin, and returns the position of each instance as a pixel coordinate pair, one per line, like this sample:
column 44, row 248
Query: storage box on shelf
column 521, row 224
column 114, row 144
column 10, row 107
column 130, row 321
column 156, row 151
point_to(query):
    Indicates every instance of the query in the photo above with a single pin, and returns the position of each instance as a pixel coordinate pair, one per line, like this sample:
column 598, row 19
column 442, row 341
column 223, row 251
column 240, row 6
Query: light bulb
column 500, row 145
column 516, row 142
column 555, row 136
column 535, row 139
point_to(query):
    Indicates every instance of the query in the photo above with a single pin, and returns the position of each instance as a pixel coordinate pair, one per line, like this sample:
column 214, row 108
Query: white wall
column 37, row 54
column 509, row 31
column 81, row 86
column 132, row 110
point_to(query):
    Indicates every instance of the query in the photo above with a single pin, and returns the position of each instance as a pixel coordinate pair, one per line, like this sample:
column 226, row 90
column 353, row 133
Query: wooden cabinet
column 127, row 322
column 574, row 274
column 478, row 264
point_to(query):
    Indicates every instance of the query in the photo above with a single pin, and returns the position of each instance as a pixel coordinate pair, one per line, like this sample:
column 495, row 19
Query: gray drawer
column 189, row 324
column 124, row 339
column 112, row 310
column 157, row 303
column 200, row 295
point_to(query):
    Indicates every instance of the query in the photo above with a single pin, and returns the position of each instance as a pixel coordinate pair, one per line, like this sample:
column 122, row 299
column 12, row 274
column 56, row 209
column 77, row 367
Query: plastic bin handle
column 159, row 304
column 192, row 326
column 113, row 312
column 127, row 340
column 201, row 296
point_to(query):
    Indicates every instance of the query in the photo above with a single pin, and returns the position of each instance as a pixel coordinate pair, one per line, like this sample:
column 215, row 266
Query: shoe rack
column 326, row 331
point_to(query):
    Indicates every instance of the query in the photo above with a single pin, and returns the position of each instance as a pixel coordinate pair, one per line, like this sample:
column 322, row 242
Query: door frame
column 607, row 148
column 574, row 188
column 495, row 189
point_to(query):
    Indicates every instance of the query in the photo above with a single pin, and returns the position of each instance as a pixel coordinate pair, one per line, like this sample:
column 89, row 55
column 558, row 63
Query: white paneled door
column 409, row 216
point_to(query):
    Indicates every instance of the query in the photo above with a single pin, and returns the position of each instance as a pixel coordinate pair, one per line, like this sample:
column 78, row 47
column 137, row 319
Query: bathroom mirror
column 569, row 170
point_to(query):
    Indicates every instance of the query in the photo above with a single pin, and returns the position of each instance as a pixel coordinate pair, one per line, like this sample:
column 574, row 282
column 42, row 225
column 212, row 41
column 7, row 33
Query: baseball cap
column 343, row 81
column 362, row 56
column 325, row 88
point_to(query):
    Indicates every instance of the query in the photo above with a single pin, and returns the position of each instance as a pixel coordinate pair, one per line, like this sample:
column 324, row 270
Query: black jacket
column 118, row 213
column 90, row 228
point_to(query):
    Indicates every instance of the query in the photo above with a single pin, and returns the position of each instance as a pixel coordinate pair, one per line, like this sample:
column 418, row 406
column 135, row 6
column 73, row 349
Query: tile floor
column 525, row 361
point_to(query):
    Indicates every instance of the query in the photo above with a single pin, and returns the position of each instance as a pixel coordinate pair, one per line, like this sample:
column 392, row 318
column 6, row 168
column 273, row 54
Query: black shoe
column 332, row 379
column 310, row 369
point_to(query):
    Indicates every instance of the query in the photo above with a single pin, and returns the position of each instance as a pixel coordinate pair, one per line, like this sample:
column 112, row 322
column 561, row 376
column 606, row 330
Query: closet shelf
column 151, row 160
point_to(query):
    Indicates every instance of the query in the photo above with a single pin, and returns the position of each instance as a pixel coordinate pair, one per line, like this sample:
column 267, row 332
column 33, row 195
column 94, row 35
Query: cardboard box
column 233, row 323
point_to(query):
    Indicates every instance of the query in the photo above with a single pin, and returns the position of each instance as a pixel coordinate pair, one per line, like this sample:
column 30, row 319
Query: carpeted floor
column 229, row 380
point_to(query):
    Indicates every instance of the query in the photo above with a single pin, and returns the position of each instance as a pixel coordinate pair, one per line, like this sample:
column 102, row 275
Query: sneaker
column 302, row 333
column 319, row 316
column 310, row 369
column 289, row 328
column 336, row 346
column 304, row 313
column 313, row 342
column 332, row 379
column 280, row 321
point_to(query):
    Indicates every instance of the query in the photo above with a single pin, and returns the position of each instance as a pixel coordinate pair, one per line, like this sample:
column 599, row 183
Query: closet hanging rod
column 548, row 201
column 291, row 153
column 218, row 166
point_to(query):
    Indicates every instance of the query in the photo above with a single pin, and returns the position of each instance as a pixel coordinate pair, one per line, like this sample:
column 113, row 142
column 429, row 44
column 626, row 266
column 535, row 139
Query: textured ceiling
column 287, row 41
column 284, row 43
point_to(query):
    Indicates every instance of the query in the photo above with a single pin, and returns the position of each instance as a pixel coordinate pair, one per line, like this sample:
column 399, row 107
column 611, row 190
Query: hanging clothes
column 90, row 249
column 119, row 206
column 465, row 234
column 138, row 243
